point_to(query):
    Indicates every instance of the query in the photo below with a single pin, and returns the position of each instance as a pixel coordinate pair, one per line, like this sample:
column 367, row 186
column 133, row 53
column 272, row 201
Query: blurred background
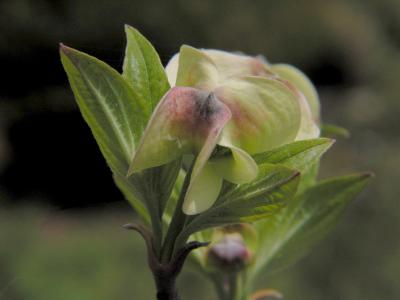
column 60, row 214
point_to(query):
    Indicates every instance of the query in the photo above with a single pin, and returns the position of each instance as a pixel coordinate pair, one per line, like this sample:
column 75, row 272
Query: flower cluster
column 222, row 109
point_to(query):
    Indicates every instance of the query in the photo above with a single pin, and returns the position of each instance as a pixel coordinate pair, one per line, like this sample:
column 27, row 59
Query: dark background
column 55, row 185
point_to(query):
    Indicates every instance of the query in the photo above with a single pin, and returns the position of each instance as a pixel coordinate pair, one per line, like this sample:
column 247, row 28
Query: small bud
column 229, row 254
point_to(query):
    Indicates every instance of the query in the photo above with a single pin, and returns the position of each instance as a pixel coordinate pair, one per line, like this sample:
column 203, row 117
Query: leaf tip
column 330, row 130
column 129, row 28
column 325, row 140
column 367, row 175
column 67, row 51
column 128, row 226
column 63, row 48
column 331, row 141
column 295, row 174
column 363, row 176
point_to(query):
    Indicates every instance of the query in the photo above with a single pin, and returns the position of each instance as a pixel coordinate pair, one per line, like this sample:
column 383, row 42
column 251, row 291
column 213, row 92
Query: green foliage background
column 48, row 254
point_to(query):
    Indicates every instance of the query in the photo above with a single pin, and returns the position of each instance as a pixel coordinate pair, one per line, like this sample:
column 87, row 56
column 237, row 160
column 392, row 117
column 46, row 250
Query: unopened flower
column 223, row 108
column 232, row 248
column 229, row 254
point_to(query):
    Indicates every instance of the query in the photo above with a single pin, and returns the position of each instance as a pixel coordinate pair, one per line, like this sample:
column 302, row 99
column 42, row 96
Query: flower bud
column 234, row 101
column 229, row 254
column 233, row 248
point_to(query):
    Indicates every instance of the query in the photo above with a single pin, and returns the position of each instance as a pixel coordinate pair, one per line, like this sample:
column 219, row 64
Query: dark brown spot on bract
column 195, row 112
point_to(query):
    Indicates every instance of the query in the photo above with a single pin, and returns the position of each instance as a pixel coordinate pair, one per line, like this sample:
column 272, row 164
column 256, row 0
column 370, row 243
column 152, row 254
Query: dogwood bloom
column 223, row 108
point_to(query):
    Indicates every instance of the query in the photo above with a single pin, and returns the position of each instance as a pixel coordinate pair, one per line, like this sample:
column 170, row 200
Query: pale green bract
column 227, row 100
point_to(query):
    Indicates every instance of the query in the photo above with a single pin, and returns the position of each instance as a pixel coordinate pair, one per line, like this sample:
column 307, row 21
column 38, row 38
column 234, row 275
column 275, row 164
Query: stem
column 232, row 280
column 239, row 287
column 220, row 291
column 157, row 233
column 232, row 288
column 166, row 285
column 167, row 266
column 219, row 288
column 165, row 275
column 177, row 222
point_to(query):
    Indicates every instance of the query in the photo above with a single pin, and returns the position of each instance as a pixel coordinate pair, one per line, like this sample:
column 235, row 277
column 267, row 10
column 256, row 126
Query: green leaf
column 173, row 199
column 144, row 72
column 126, row 187
column 156, row 185
column 143, row 69
column 309, row 177
column 268, row 193
column 291, row 233
column 108, row 104
column 300, row 155
column 333, row 131
column 117, row 117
